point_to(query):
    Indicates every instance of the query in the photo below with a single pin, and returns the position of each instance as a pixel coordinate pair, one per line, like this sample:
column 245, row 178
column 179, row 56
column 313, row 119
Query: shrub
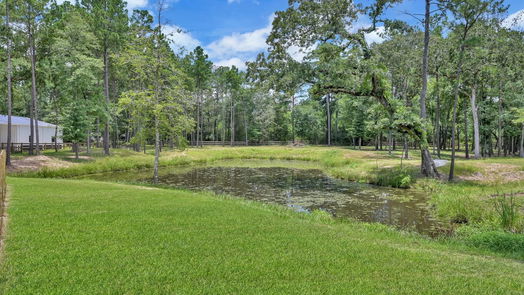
column 395, row 177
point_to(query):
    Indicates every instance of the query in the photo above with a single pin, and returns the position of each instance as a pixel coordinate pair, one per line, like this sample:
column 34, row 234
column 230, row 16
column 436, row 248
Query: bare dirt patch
column 80, row 157
column 34, row 163
column 502, row 173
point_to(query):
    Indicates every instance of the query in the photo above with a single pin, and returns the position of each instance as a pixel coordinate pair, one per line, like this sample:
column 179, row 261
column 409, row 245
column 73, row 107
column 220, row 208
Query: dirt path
column 496, row 172
column 36, row 162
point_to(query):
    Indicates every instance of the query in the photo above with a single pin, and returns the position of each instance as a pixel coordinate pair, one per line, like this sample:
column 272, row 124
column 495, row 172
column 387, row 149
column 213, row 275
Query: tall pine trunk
column 106, row 95
column 437, row 118
column 522, row 142
column 500, row 130
column 9, row 74
column 466, row 141
column 455, row 105
column 34, row 98
column 232, row 137
column 197, row 143
column 476, row 129
column 293, row 118
column 328, row 112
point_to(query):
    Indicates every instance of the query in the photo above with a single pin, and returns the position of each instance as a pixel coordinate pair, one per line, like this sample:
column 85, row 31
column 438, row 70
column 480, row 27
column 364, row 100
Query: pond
column 303, row 189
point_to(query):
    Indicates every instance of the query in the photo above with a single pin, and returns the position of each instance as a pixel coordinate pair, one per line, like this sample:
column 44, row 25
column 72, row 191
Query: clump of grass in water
column 395, row 177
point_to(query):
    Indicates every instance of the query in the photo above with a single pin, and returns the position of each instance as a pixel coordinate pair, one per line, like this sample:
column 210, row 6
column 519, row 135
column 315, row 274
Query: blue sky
column 234, row 31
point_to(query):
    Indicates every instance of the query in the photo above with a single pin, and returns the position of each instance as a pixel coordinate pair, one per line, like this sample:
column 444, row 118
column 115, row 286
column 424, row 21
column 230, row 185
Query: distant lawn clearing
column 84, row 237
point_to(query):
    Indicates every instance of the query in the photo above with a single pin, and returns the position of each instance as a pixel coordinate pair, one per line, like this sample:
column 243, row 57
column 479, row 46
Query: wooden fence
column 243, row 143
column 21, row 147
column 3, row 196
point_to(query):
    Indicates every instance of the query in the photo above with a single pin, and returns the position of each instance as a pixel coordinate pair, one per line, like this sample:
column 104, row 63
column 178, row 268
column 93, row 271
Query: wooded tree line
column 453, row 81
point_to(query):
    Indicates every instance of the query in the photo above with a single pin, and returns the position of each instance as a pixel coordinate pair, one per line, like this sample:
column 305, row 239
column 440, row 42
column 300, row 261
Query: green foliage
column 397, row 177
column 75, row 122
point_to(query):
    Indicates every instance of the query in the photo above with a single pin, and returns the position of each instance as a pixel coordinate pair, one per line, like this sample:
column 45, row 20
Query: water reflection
column 306, row 190
column 301, row 189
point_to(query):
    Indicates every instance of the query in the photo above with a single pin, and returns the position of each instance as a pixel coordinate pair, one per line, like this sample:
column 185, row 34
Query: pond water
column 303, row 189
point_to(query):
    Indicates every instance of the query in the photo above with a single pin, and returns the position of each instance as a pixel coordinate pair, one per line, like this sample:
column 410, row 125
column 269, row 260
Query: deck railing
column 243, row 143
column 21, row 147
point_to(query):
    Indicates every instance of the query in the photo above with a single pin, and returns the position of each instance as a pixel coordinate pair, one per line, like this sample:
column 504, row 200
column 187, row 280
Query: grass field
column 85, row 237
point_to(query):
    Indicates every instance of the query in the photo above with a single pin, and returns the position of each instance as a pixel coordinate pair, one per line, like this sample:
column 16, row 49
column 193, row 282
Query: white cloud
column 363, row 22
column 235, row 61
column 297, row 53
column 515, row 21
column 239, row 43
column 237, row 48
column 376, row 36
column 180, row 38
column 132, row 4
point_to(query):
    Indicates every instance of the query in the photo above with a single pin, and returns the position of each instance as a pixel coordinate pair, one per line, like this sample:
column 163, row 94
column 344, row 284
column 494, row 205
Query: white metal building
column 20, row 130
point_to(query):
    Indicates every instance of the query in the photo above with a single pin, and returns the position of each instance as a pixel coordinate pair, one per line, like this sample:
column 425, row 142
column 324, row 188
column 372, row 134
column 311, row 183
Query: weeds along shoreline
column 331, row 162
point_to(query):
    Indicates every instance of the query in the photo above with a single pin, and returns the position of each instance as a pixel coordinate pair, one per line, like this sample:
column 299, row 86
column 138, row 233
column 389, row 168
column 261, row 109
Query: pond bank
column 200, row 243
column 298, row 185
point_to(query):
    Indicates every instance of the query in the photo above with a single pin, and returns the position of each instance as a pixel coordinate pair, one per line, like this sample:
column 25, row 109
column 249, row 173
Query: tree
column 337, row 66
column 75, row 124
column 466, row 14
column 428, row 167
column 158, row 98
column 200, row 71
column 9, row 74
column 108, row 20
column 33, row 13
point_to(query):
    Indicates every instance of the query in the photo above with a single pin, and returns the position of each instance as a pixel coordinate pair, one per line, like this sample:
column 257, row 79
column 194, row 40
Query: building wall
column 20, row 134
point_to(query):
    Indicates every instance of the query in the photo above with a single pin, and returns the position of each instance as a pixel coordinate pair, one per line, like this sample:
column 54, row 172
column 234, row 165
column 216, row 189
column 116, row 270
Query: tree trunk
column 232, row 137
column 75, row 147
column 293, row 118
column 390, row 142
column 97, row 132
column 34, row 97
column 32, row 111
column 246, row 130
column 56, row 138
column 427, row 166
column 500, row 130
column 455, row 105
column 88, row 142
column 106, row 95
column 406, row 148
column 9, row 74
column 198, row 122
column 476, row 129
column 437, row 118
column 522, row 142
column 328, row 111
column 157, row 97
column 466, row 142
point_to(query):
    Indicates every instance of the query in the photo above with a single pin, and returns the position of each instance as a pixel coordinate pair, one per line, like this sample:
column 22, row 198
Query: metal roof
column 23, row 121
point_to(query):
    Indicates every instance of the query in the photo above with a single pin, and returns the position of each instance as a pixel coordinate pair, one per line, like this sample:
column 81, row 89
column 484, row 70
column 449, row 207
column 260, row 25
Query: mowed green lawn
column 83, row 237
